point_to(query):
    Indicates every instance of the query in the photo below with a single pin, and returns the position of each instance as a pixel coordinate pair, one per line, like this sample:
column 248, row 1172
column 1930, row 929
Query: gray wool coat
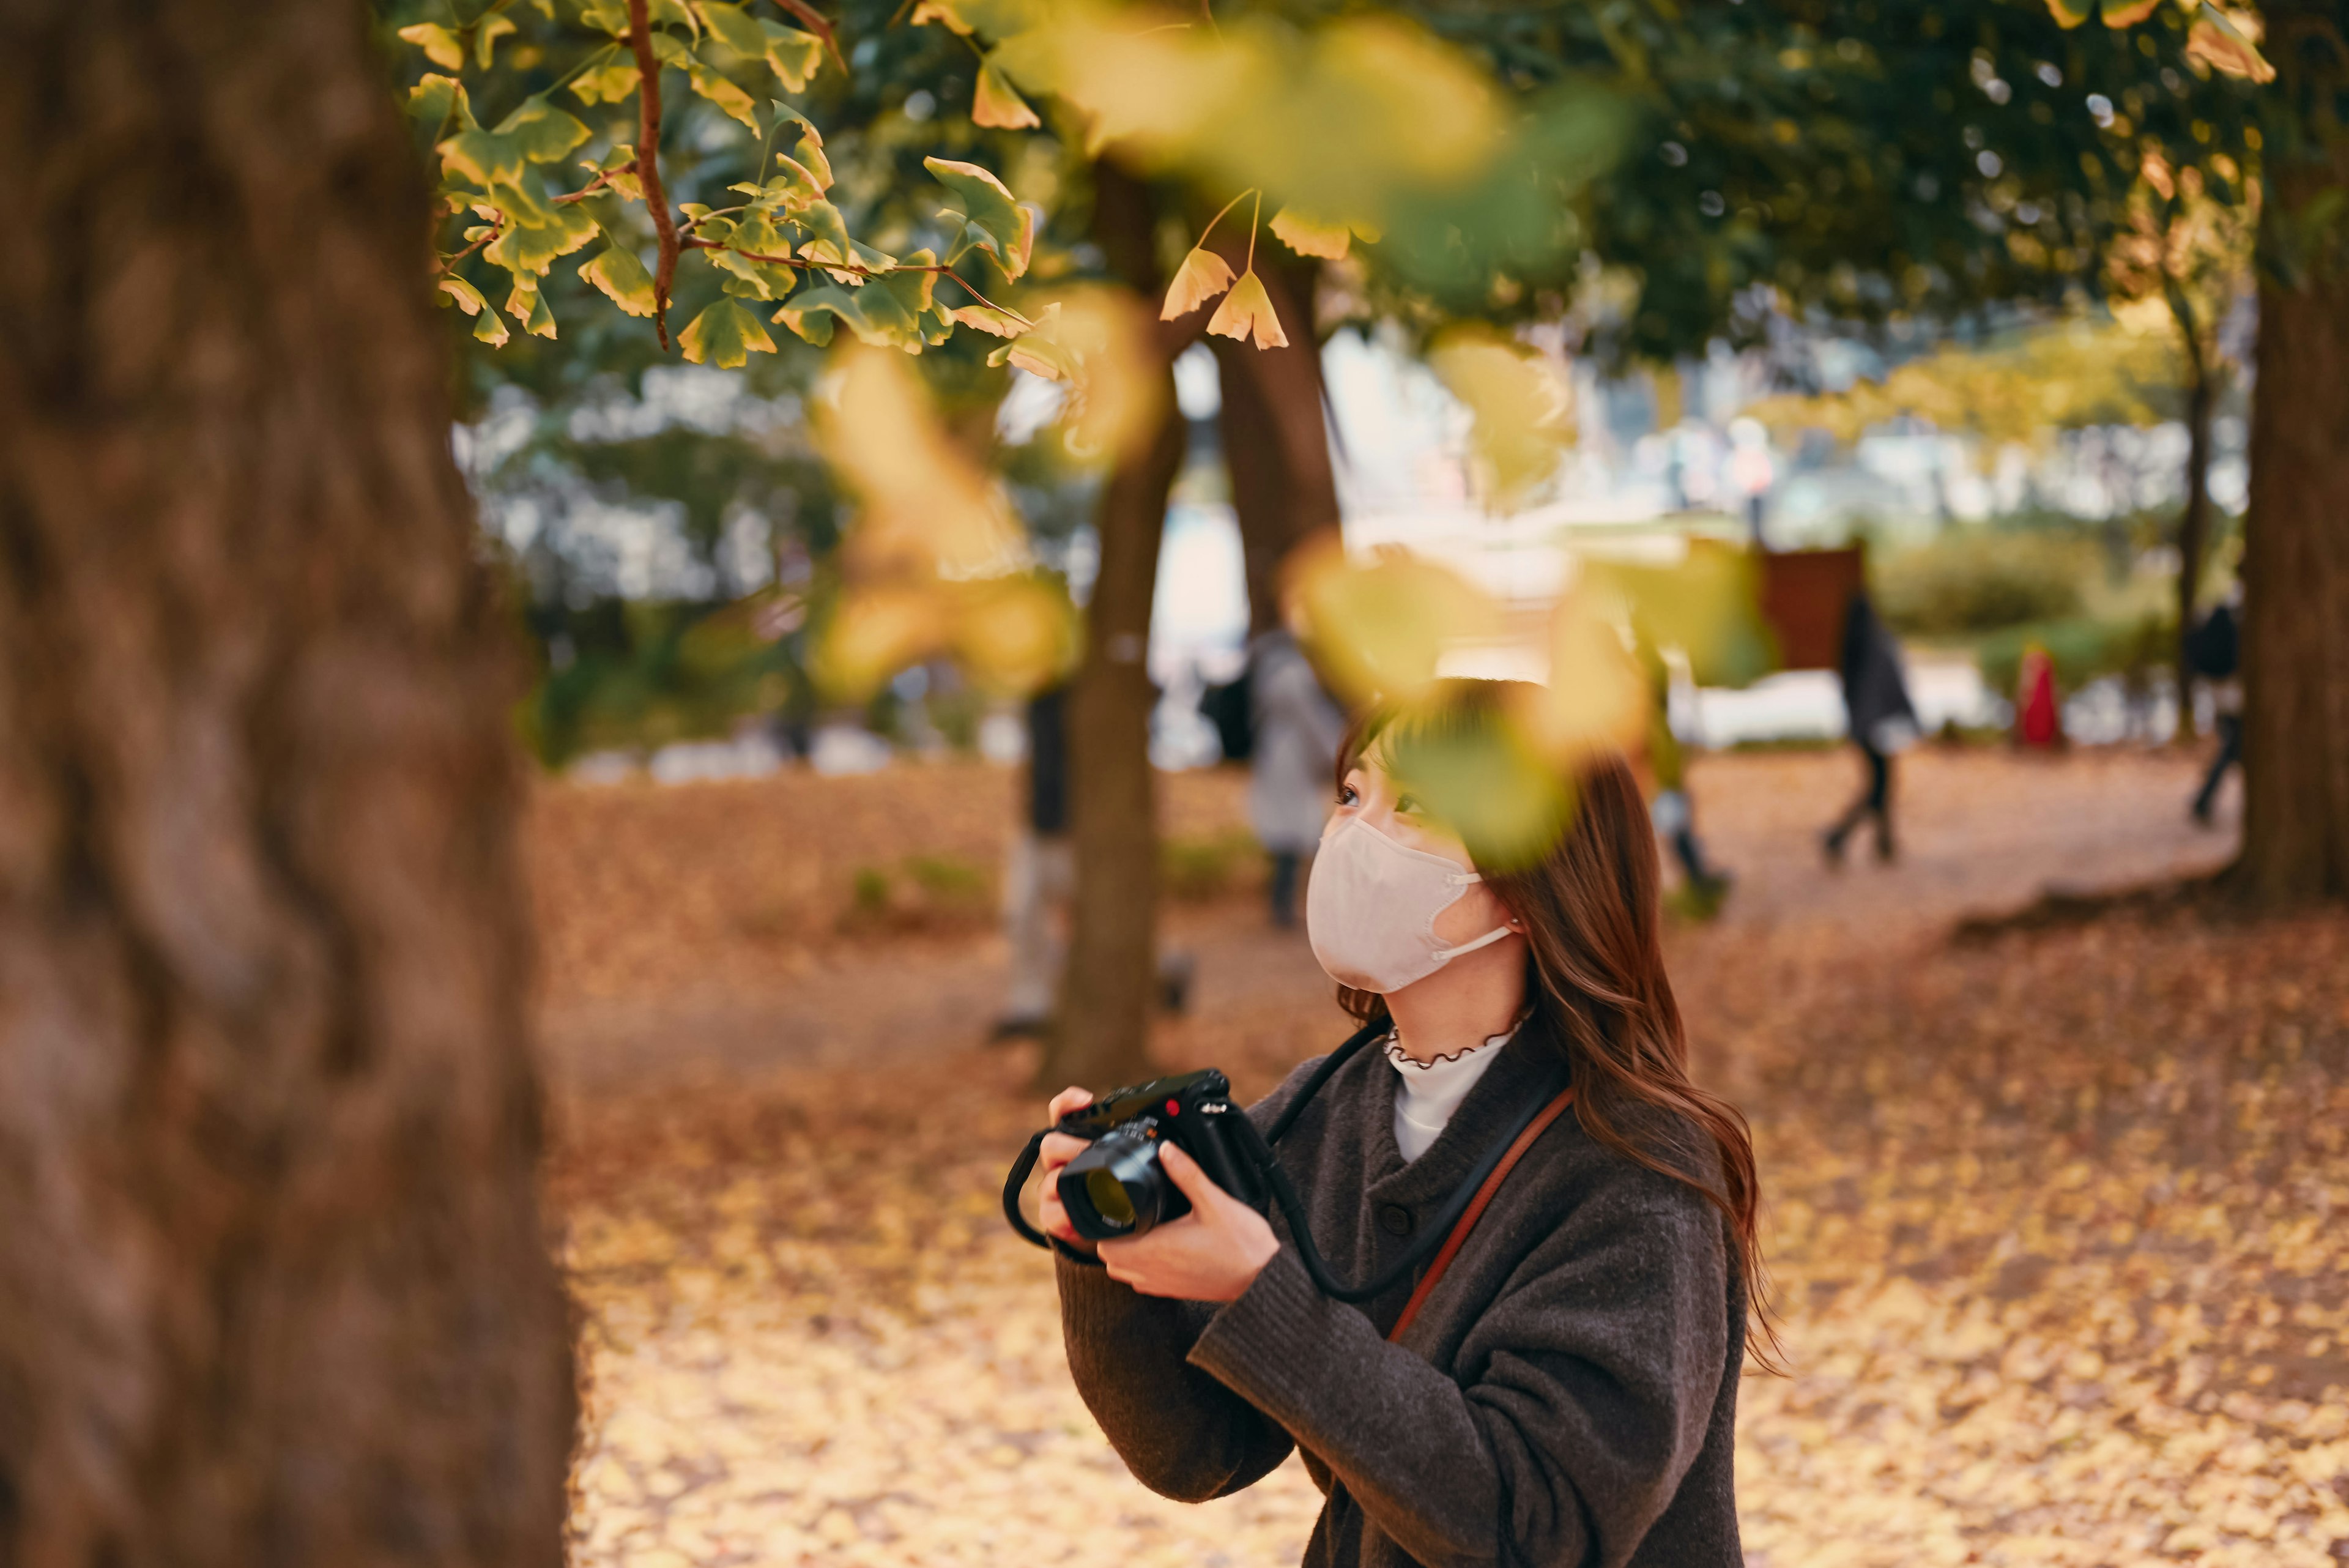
column 1567, row 1396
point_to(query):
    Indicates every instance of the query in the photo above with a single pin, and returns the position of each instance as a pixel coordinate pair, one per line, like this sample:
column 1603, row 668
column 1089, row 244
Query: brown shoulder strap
column 1476, row 1210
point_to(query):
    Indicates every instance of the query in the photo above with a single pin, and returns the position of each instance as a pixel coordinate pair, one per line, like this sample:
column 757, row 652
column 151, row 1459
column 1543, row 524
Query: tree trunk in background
column 1101, row 1037
column 272, row 1283
column 2194, row 523
column 2296, row 535
column 1274, row 438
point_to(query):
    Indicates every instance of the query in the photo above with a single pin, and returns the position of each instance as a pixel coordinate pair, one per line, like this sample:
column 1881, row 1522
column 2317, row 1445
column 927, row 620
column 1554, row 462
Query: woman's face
column 1371, row 793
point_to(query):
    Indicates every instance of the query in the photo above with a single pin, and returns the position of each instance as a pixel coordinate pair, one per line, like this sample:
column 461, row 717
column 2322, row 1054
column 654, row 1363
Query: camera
column 1117, row 1188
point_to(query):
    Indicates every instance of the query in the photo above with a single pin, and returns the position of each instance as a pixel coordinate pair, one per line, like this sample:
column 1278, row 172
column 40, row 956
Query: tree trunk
column 1102, row 1033
column 272, row 1283
column 2194, row 523
column 2296, row 537
column 1275, row 441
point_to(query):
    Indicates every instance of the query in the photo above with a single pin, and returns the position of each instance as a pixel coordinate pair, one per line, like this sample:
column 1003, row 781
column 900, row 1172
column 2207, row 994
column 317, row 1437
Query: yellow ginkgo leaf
column 1310, row 236
column 1203, row 276
column 1246, row 313
column 2218, row 41
column 997, row 103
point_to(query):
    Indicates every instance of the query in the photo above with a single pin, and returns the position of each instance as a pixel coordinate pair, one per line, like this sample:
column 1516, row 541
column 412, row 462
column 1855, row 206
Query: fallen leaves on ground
column 2055, row 1221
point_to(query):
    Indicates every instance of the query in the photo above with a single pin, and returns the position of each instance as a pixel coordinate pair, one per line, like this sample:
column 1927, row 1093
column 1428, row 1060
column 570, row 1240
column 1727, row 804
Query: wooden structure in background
column 1805, row 593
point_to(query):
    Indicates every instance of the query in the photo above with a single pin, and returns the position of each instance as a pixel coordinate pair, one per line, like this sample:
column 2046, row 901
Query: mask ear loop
column 1445, row 955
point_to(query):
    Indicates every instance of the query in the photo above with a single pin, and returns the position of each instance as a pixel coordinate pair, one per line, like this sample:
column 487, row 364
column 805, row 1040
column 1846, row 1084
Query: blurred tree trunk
column 2194, row 523
column 2296, row 536
column 272, row 1283
column 1275, row 441
column 1101, row 1037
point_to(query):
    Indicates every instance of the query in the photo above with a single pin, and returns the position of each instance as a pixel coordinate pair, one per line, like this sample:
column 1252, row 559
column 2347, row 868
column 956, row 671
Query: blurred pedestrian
column 2038, row 710
column 1672, row 809
column 2214, row 652
column 1297, row 733
column 1039, row 875
column 1883, row 722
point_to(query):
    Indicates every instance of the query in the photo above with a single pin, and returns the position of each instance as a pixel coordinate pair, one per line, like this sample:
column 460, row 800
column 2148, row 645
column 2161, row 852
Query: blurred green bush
column 1200, row 870
column 1969, row 580
column 2084, row 648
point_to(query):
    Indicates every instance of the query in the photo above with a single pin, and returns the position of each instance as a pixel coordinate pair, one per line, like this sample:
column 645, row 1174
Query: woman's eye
column 1347, row 796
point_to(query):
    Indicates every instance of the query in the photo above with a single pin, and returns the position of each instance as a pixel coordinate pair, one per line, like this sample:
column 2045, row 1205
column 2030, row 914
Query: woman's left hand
column 1211, row 1254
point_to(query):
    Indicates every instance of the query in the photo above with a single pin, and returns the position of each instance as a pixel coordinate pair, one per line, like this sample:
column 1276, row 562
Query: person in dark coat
column 1882, row 719
column 2215, row 653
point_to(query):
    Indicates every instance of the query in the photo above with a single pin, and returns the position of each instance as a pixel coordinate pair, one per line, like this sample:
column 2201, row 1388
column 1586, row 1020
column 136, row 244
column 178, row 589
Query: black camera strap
column 1257, row 1147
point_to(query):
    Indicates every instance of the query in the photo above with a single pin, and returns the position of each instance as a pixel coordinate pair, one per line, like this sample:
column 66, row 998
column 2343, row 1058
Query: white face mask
column 1371, row 910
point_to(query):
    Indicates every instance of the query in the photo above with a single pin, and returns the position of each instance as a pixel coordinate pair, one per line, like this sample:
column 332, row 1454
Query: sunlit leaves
column 486, row 34
column 617, row 271
column 610, row 78
column 439, row 100
column 2128, row 13
column 794, row 56
column 733, row 27
column 1522, row 408
column 544, row 132
column 2224, row 43
column 2071, row 13
column 730, row 97
column 467, row 298
column 997, row 104
column 440, row 45
column 1381, row 628
column 1203, row 276
column 725, row 335
column 1311, row 237
column 1247, row 314
column 987, row 204
column 1706, row 607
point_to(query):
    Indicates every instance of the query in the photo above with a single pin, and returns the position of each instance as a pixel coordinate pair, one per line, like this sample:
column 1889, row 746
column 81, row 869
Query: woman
column 1568, row 1392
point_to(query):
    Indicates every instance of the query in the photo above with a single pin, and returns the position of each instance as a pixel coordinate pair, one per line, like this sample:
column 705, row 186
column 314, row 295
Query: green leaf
column 733, row 27
column 756, row 280
column 794, row 56
column 794, row 184
column 611, row 77
column 483, row 156
column 533, row 247
column 828, row 232
column 618, row 271
column 436, row 99
column 726, row 95
column 486, row 36
column 989, row 319
column 527, row 305
column 1010, row 228
column 440, row 45
column 670, row 51
column 468, row 299
column 662, row 13
column 545, row 131
column 605, row 16
column 725, row 336
column 811, row 312
column 490, row 328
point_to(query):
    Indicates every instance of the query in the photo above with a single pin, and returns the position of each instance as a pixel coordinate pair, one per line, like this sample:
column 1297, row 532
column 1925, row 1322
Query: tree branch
column 649, row 130
column 819, row 26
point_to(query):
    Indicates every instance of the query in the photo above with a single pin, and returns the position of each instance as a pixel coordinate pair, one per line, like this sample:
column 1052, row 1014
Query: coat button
column 1395, row 1219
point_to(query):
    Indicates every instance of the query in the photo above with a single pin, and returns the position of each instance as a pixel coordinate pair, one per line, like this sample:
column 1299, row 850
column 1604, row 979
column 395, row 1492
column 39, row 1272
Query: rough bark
column 2296, row 536
column 2194, row 523
column 1275, row 441
column 273, row 1288
column 1101, row 1037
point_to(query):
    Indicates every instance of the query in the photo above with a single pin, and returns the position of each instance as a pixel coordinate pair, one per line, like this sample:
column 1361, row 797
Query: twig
column 802, row 264
column 814, row 23
column 447, row 263
column 602, row 178
column 649, row 130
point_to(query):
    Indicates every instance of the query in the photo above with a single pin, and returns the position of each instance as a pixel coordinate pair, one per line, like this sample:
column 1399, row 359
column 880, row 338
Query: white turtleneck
column 1432, row 1091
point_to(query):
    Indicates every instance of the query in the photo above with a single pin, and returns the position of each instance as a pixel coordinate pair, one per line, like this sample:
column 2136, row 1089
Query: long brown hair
column 1588, row 894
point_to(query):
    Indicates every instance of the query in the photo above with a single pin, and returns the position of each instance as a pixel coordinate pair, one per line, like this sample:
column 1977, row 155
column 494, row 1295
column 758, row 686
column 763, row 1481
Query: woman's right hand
column 1057, row 1150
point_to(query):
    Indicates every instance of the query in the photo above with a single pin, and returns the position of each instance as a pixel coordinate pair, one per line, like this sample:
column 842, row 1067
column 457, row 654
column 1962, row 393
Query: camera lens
column 1109, row 1199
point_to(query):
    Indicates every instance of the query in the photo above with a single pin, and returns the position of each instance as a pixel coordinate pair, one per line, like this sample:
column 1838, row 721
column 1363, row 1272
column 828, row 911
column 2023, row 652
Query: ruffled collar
column 1408, row 1066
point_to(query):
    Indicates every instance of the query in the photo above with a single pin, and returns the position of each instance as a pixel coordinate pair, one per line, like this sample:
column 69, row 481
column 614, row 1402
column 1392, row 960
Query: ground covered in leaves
column 2056, row 1206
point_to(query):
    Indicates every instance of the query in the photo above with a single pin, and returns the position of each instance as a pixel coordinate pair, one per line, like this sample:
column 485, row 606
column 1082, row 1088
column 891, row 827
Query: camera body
column 1117, row 1187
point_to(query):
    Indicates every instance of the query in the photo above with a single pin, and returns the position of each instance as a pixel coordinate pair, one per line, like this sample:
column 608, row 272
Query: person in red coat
column 2038, row 716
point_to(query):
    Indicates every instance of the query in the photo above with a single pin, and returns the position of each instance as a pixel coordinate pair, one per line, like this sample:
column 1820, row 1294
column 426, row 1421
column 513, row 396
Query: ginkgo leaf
column 828, row 234
column 794, row 56
column 2215, row 39
column 809, row 153
column 490, row 328
column 995, row 103
column 725, row 335
column 1310, row 236
column 468, row 299
column 988, row 202
column 618, row 174
column 607, row 78
column 989, row 319
column 543, row 131
column 733, row 27
column 485, row 38
column 605, row 16
column 528, row 306
column 795, row 183
column 534, row 246
column 945, row 11
column 1246, row 313
column 811, row 312
column 483, row 156
column 2071, row 13
column 617, row 271
column 2128, row 13
column 1203, row 276
column 436, row 101
column 730, row 97
column 440, row 45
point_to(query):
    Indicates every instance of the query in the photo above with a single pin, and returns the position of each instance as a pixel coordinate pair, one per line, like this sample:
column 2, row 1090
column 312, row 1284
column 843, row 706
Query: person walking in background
column 1297, row 733
column 1883, row 722
column 1671, row 808
column 1039, row 875
column 2215, row 652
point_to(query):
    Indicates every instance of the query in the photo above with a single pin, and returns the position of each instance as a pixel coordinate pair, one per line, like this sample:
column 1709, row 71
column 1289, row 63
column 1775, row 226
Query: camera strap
column 1476, row 1210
